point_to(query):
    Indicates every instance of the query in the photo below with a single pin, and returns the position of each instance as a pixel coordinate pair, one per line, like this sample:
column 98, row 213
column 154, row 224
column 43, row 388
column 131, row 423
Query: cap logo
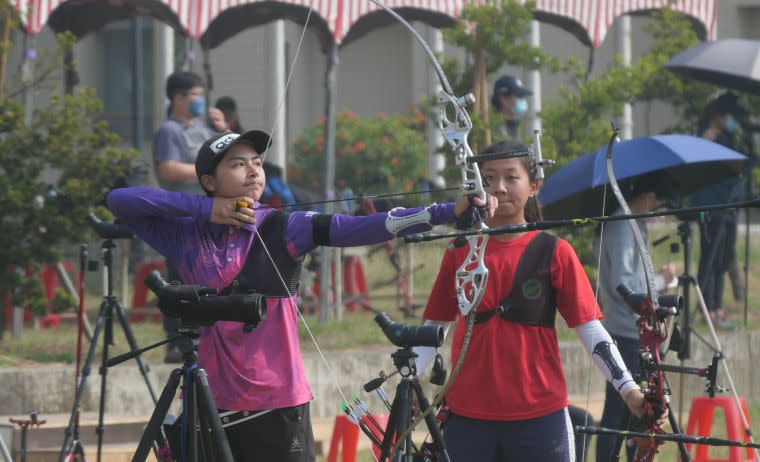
column 518, row 83
column 222, row 143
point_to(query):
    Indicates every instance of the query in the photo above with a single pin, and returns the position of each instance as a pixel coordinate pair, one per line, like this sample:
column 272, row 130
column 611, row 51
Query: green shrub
column 371, row 153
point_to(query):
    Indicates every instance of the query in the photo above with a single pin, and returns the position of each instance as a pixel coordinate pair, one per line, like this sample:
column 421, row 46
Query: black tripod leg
column 109, row 301
column 153, row 430
column 626, row 423
column 432, row 424
column 206, row 449
column 395, row 420
column 676, row 429
column 207, row 407
column 86, row 368
column 190, row 444
column 77, row 452
column 133, row 347
column 398, row 423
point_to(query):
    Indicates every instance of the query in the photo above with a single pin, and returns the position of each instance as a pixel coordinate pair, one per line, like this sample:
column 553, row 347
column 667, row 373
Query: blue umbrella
column 694, row 163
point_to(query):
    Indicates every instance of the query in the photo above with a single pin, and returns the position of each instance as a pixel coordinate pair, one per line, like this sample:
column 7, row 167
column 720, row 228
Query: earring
column 211, row 188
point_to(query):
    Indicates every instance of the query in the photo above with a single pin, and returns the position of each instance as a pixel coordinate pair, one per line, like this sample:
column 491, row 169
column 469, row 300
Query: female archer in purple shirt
column 214, row 241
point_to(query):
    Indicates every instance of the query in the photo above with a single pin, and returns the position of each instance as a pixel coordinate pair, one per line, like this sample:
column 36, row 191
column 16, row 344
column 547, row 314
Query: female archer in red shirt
column 509, row 401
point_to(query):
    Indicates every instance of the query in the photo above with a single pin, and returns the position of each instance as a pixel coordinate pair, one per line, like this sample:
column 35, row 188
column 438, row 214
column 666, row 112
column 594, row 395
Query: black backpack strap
column 532, row 300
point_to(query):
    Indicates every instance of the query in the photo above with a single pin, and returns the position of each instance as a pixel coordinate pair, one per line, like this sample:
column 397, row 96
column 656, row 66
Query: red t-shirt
column 511, row 371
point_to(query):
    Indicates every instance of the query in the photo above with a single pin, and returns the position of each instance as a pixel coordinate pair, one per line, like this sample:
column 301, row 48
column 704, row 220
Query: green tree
column 493, row 36
column 52, row 172
column 579, row 120
column 372, row 153
column 501, row 30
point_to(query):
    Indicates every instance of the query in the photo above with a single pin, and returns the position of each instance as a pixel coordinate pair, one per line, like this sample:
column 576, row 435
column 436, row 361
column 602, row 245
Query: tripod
column 74, row 449
column 108, row 306
column 401, row 411
column 25, row 424
column 198, row 410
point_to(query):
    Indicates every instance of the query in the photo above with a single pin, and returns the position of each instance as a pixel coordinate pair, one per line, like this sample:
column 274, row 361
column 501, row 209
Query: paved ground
column 123, row 433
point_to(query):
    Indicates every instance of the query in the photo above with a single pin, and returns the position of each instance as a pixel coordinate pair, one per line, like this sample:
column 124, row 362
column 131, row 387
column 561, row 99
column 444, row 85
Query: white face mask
column 521, row 107
column 731, row 124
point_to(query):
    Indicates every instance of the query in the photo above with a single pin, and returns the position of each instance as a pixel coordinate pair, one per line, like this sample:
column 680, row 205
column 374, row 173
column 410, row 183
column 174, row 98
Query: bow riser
column 472, row 276
column 456, row 132
column 652, row 334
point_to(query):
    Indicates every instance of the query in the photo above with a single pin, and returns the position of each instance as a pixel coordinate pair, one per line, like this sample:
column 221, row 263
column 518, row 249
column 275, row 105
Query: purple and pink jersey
column 262, row 369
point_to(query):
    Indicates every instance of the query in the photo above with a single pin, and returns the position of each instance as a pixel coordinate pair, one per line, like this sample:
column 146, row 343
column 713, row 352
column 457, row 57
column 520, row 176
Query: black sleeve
column 320, row 229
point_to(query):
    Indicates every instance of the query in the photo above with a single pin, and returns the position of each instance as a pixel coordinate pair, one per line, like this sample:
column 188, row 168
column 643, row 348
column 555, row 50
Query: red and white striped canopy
column 217, row 20
column 357, row 18
column 589, row 20
column 83, row 16
column 594, row 17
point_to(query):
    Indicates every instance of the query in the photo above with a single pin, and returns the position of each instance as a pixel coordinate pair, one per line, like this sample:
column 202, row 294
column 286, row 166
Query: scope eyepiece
column 405, row 336
column 155, row 282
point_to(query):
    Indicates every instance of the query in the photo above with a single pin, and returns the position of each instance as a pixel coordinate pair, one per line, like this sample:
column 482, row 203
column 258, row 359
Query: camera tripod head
column 187, row 339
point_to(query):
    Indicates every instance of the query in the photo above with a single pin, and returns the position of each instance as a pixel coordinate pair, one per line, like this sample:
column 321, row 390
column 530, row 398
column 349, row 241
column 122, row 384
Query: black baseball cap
column 508, row 85
column 664, row 186
column 213, row 150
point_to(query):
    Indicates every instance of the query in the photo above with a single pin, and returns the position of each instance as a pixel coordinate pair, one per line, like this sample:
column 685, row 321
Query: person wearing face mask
column 509, row 99
column 175, row 145
column 718, row 122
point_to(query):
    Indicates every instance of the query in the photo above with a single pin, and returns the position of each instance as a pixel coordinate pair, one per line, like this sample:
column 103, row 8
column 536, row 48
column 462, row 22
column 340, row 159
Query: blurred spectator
column 175, row 146
column 718, row 122
column 228, row 106
column 346, row 195
column 276, row 191
column 509, row 99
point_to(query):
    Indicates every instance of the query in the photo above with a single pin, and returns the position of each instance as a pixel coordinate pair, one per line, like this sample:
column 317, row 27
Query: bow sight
column 537, row 160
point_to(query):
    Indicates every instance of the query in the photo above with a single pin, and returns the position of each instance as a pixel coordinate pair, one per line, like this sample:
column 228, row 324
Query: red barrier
column 700, row 423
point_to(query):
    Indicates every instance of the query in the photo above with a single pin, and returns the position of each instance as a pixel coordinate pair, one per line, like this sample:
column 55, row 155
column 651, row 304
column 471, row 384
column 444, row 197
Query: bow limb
column 646, row 259
column 281, row 105
column 653, row 330
column 471, row 277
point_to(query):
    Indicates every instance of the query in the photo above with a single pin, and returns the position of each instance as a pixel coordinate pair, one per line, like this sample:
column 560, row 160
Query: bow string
column 472, row 275
column 653, row 331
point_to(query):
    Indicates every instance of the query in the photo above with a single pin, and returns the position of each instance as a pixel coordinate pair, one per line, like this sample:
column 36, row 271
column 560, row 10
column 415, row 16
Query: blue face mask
column 521, row 107
column 731, row 124
column 198, row 107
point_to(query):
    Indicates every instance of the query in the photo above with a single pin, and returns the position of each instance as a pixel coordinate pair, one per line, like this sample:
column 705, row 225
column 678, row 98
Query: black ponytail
column 532, row 210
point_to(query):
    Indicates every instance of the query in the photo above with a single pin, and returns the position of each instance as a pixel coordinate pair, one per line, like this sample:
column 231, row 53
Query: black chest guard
column 258, row 274
column 532, row 300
